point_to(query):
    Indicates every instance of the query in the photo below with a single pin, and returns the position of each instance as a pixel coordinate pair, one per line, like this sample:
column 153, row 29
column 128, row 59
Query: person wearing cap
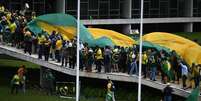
column 167, row 91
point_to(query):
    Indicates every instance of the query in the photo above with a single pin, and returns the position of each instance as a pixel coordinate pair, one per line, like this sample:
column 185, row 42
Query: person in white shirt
column 184, row 71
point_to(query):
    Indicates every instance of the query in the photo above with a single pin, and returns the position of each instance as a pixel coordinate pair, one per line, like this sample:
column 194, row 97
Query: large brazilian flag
column 66, row 25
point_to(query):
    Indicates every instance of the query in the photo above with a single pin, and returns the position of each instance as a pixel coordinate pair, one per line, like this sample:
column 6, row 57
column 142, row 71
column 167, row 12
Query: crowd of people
column 13, row 31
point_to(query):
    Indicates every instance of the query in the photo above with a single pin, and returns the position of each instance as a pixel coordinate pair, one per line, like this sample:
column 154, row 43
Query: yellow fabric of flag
column 187, row 49
column 117, row 38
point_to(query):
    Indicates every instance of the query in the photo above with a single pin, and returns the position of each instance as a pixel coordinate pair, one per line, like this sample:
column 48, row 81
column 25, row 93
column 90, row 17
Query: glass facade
column 197, row 8
column 97, row 9
column 159, row 8
column 109, row 9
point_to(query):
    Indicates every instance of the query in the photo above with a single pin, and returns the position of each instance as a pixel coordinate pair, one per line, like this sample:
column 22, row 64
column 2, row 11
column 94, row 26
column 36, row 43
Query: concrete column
column 188, row 27
column 127, row 14
column 61, row 6
column 126, row 29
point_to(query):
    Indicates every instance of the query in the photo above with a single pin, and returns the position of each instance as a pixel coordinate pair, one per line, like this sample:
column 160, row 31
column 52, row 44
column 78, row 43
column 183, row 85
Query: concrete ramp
column 11, row 51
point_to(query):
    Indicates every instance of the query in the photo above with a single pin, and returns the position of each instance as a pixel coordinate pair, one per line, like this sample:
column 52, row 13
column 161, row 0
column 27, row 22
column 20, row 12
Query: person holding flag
column 166, row 68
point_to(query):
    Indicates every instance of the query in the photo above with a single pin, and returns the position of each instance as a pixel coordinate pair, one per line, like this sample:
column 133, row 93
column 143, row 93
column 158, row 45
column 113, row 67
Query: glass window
column 199, row 8
column 173, row 3
column 83, row 9
column 93, row 13
column 93, row 4
column 154, row 12
column 136, row 4
column 84, row 1
column 114, row 12
column 163, row 9
column 146, row 8
column 135, row 13
column 154, row 3
column 195, row 2
column 104, row 10
column 15, row 6
column 74, row 13
column 173, row 13
column 71, row 4
column 181, row 8
column 39, row 8
column 114, row 4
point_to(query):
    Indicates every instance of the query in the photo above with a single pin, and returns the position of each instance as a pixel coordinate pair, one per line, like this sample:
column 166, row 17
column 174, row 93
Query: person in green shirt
column 110, row 90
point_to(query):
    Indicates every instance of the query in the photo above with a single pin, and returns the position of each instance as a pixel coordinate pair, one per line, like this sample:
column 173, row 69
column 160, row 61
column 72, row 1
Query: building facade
column 123, row 15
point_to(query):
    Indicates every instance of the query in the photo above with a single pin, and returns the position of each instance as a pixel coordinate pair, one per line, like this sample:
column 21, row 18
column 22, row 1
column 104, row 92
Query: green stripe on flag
column 194, row 95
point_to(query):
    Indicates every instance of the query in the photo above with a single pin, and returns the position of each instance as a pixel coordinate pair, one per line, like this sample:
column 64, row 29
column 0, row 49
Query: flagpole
column 78, row 45
column 140, row 61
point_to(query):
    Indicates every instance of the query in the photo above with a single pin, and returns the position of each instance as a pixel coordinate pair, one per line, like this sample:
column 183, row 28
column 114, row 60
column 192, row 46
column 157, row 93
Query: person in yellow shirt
column 12, row 26
column 144, row 63
column 15, row 83
column 58, row 50
column 99, row 58
column 41, row 40
column 2, row 8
